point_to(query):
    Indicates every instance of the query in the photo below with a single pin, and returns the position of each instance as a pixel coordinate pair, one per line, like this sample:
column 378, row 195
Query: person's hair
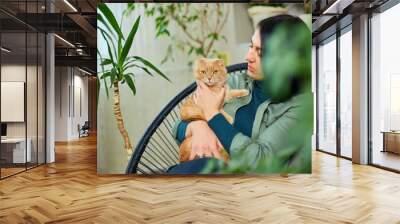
column 268, row 25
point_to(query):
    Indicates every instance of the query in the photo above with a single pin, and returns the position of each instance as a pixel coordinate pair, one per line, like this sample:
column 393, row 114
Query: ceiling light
column 79, row 51
column 64, row 40
column 84, row 71
column 5, row 50
column 70, row 5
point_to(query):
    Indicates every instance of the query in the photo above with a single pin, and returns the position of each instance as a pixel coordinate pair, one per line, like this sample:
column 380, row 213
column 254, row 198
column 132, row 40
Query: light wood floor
column 387, row 159
column 70, row 191
column 10, row 171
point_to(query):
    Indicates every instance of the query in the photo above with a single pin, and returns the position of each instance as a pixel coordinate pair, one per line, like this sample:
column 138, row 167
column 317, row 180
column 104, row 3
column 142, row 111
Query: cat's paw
column 243, row 92
column 236, row 93
column 230, row 120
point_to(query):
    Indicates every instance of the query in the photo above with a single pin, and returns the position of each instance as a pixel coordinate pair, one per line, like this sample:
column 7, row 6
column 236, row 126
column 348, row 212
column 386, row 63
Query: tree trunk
column 120, row 120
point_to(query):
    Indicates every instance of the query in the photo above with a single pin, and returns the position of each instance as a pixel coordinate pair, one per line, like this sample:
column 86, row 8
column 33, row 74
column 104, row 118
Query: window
column 346, row 93
column 327, row 96
column 385, row 89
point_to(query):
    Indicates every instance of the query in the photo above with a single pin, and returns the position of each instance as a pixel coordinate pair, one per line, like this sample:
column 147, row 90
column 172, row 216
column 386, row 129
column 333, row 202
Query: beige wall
column 71, row 87
column 33, row 127
column 17, row 73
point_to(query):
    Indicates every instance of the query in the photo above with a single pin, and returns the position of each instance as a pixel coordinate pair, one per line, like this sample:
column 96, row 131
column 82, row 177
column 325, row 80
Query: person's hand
column 204, row 142
column 208, row 101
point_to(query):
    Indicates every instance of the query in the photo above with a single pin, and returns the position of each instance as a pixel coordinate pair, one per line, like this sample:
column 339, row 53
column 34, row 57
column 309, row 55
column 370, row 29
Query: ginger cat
column 213, row 73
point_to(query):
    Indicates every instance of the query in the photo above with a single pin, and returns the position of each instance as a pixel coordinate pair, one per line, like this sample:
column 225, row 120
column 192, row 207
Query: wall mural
column 143, row 64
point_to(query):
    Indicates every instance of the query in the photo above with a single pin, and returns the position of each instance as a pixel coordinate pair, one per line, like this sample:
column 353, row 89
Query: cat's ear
column 202, row 61
column 221, row 65
column 220, row 62
column 199, row 62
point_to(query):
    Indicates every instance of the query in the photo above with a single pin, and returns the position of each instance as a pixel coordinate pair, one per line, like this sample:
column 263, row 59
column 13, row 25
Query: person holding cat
column 259, row 127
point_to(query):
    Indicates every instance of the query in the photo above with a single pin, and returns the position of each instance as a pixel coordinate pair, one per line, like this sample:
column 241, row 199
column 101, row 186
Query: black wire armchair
column 157, row 150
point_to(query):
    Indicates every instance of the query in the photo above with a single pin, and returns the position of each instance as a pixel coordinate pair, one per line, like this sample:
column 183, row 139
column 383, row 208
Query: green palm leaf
column 106, row 61
column 109, row 40
column 131, row 84
column 129, row 41
column 101, row 19
column 110, row 54
column 118, row 60
column 150, row 65
column 110, row 18
column 98, row 82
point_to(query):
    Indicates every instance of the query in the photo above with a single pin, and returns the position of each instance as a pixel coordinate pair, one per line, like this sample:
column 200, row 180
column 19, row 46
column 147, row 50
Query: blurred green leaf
column 296, row 57
column 131, row 7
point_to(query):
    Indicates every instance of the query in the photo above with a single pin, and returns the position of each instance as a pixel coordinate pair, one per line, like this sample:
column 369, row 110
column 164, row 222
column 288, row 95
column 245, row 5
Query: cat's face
column 210, row 71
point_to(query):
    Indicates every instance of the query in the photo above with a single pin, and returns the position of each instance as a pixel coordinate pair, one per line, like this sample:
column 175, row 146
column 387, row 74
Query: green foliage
column 287, row 60
column 200, row 26
column 111, row 19
column 115, row 65
column 129, row 9
column 290, row 48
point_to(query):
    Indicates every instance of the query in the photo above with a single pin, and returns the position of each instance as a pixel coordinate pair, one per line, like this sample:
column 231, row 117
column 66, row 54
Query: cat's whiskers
column 214, row 83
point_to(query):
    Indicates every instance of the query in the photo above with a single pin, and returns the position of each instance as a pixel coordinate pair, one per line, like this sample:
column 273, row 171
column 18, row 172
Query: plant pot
column 258, row 13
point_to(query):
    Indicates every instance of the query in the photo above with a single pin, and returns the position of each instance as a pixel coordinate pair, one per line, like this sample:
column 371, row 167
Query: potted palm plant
column 116, row 65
